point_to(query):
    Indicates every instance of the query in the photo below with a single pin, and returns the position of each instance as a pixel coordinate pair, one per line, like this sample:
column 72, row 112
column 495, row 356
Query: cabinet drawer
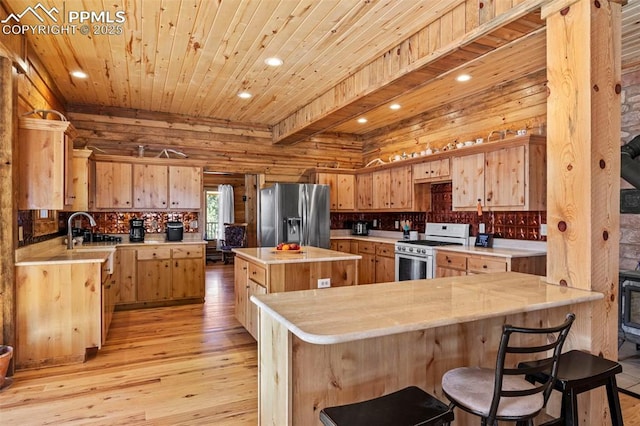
column 257, row 274
column 154, row 253
column 386, row 250
column 451, row 260
column 190, row 251
column 482, row 265
column 366, row 247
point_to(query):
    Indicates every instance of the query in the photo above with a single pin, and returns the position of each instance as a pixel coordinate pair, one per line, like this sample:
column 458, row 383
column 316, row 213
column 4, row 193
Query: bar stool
column 579, row 372
column 410, row 406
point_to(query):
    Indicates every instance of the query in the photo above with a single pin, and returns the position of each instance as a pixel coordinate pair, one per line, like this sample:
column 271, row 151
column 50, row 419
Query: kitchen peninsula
column 265, row 270
column 341, row 345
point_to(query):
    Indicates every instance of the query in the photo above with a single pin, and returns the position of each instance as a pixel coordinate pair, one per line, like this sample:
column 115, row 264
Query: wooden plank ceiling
column 193, row 57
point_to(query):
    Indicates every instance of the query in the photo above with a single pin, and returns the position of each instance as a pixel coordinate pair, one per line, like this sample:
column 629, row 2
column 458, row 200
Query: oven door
column 411, row 267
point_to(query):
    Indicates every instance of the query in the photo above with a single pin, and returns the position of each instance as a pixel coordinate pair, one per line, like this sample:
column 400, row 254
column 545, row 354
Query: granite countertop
column 269, row 255
column 497, row 252
column 342, row 314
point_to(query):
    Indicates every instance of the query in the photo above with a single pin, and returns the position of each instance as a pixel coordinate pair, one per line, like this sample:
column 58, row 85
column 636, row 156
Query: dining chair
column 503, row 393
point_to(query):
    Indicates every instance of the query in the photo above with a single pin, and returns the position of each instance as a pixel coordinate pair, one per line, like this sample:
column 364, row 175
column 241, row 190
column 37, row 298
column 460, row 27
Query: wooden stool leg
column 614, row 402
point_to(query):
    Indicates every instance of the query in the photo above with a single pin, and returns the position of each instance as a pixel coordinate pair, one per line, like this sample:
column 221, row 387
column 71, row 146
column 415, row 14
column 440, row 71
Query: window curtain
column 225, row 208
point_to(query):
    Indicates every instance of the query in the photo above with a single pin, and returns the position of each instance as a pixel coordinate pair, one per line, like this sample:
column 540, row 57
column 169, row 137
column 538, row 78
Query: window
column 211, row 217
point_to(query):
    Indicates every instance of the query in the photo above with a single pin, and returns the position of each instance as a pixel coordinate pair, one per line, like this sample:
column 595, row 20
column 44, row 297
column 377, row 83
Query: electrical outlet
column 481, row 228
column 543, row 229
column 324, row 282
column 20, row 233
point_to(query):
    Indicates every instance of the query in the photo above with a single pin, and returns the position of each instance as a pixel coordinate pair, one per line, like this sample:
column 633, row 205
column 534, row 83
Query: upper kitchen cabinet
column 185, row 187
column 150, row 183
column 364, row 191
column 80, row 181
column 509, row 177
column 431, row 171
column 113, row 185
column 341, row 189
column 45, row 171
column 147, row 185
column 401, row 188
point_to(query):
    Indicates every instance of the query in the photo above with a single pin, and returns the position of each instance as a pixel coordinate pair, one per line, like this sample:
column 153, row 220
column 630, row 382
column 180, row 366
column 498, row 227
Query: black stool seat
column 579, row 372
column 410, row 406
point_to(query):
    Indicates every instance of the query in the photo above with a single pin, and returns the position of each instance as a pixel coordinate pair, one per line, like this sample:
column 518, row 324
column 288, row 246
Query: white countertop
column 497, row 252
column 342, row 314
column 269, row 255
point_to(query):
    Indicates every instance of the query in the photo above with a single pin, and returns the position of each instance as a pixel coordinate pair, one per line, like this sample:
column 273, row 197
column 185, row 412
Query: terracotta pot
column 6, row 352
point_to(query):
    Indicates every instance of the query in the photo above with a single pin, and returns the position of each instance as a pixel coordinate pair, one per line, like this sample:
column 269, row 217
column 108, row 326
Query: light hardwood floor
column 187, row 365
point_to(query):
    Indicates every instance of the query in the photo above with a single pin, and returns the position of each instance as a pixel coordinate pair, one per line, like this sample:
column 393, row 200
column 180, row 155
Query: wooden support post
column 7, row 204
column 583, row 157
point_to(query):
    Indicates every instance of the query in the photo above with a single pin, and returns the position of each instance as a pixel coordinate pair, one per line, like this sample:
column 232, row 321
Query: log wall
column 520, row 104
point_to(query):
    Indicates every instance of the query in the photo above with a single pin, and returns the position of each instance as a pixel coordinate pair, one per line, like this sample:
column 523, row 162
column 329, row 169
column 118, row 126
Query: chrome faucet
column 92, row 221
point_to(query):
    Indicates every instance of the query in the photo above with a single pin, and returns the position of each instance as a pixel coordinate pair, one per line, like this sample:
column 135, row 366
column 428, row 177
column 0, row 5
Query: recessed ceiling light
column 244, row 95
column 362, row 120
column 463, row 77
column 394, row 106
column 79, row 74
column 273, row 61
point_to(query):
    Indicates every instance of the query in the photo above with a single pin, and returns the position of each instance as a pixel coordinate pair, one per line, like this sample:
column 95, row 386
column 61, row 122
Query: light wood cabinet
column 80, row 179
column 512, row 177
column 450, row 263
column 154, row 274
column 113, row 185
column 147, row 186
column 380, row 191
column 341, row 189
column 432, row 171
column 253, row 277
column 364, row 191
column 185, row 187
column 109, row 297
column 378, row 262
column 249, row 279
column 45, row 172
column 150, row 186
column 187, row 279
column 160, row 274
column 401, row 188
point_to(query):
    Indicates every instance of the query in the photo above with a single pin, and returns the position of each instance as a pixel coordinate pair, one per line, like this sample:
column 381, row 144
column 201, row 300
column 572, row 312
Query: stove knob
column 424, row 251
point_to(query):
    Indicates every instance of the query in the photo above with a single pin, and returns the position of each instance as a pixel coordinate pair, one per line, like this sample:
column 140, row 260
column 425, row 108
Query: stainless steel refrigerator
column 295, row 213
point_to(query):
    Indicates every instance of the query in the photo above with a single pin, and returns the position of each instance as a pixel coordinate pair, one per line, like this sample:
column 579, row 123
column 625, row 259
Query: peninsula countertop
column 493, row 251
column 269, row 255
column 337, row 315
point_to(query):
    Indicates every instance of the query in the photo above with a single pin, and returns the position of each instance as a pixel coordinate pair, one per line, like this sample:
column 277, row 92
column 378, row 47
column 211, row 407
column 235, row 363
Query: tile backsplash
column 110, row 223
column 512, row 225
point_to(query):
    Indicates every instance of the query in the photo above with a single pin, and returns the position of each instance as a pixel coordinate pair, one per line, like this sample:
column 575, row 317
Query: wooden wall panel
column 219, row 147
column 520, row 104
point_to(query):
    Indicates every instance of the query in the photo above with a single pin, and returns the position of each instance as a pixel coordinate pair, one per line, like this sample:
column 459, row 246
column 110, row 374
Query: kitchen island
column 262, row 270
column 341, row 345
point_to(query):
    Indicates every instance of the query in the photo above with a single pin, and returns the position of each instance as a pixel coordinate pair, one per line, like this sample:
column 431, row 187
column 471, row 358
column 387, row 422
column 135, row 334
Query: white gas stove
column 415, row 259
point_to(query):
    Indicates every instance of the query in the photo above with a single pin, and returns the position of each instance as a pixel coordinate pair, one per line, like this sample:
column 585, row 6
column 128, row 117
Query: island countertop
column 269, row 255
column 344, row 314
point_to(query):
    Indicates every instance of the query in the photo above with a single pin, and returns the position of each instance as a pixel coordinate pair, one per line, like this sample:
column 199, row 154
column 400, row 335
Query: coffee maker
column 136, row 230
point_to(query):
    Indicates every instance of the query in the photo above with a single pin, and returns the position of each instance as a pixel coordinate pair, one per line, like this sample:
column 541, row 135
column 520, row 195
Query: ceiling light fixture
column 362, row 120
column 79, row 74
column 394, row 106
column 463, row 77
column 273, row 61
column 244, row 95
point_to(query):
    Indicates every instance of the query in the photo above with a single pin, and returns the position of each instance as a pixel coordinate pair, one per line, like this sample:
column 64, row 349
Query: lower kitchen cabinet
column 452, row 263
column 109, row 298
column 254, row 276
column 160, row 274
column 377, row 264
